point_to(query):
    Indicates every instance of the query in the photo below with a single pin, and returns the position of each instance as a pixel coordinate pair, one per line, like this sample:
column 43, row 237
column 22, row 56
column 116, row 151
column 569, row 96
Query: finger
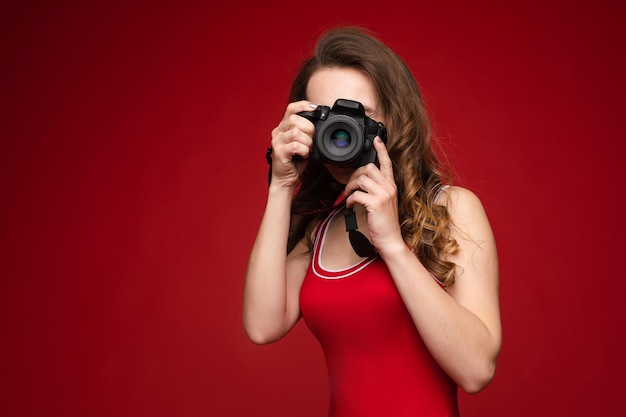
column 291, row 119
column 351, row 185
column 299, row 106
column 370, row 171
column 370, row 200
column 360, row 180
column 386, row 166
column 357, row 197
column 367, row 185
column 298, row 122
column 293, row 142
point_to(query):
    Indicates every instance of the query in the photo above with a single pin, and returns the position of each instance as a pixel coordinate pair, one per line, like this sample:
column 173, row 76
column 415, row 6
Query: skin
column 460, row 326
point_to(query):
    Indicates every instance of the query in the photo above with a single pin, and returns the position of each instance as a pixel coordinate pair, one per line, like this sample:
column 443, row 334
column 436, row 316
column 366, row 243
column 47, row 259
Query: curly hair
column 418, row 172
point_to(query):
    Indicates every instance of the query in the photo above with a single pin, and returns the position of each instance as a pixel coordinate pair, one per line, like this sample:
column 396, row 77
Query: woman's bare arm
column 271, row 292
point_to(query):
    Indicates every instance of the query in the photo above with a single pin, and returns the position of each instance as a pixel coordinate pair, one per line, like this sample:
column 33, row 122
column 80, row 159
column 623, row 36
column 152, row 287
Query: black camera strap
column 268, row 158
column 360, row 243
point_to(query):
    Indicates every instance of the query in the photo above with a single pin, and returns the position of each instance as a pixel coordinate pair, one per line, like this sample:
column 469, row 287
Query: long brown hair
column 418, row 172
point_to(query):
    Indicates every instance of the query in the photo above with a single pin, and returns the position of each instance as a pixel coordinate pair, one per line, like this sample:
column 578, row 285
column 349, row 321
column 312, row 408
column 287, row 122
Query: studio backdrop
column 133, row 179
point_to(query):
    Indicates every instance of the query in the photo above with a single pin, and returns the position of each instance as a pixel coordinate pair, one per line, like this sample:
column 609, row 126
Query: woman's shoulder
column 460, row 201
column 450, row 193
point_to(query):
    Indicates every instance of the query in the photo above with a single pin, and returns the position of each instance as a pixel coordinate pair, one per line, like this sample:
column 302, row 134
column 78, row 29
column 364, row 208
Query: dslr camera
column 344, row 135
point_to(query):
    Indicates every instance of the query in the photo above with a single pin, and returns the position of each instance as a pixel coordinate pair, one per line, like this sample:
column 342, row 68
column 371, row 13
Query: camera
column 344, row 135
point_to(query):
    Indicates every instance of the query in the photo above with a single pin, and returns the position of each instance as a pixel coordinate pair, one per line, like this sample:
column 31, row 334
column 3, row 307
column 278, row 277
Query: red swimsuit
column 377, row 362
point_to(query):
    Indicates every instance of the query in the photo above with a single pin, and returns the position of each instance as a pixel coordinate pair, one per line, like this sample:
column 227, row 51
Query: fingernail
column 313, row 106
column 378, row 139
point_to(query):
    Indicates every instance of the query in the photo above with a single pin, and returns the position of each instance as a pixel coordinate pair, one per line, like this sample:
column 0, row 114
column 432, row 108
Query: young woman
column 403, row 327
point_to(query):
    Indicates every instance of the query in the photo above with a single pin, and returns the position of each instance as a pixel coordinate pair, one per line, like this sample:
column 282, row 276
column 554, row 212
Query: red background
column 133, row 179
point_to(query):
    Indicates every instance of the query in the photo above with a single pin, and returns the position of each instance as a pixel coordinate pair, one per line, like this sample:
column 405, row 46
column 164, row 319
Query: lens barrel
column 340, row 140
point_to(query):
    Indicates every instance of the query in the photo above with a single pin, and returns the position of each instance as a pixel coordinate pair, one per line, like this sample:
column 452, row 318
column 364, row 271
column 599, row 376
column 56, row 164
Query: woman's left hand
column 375, row 189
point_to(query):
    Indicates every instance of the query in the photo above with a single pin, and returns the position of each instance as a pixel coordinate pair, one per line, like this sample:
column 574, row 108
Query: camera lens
column 340, row 139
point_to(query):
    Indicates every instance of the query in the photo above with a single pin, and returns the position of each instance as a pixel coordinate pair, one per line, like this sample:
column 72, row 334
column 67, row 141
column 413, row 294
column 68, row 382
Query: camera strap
column 360, row 243
column 268, row 158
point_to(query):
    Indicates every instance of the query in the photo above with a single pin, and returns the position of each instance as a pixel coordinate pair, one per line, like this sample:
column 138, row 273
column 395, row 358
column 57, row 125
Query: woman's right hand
column 292, row 137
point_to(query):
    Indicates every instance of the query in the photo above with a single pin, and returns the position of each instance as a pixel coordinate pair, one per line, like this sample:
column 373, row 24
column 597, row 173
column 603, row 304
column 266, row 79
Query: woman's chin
column 340, row 174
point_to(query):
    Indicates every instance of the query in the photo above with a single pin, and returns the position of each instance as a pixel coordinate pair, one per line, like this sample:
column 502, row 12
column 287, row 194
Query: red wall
column 133, row 178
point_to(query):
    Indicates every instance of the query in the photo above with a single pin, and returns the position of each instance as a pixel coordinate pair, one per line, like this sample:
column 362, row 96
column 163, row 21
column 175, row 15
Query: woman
column 403, row 327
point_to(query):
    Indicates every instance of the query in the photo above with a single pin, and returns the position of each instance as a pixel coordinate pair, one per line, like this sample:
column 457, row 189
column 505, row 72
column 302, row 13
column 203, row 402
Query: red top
column 377, row 362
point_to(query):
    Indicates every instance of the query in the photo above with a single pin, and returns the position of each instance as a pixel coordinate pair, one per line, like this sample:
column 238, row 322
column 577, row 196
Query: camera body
column 344, row 135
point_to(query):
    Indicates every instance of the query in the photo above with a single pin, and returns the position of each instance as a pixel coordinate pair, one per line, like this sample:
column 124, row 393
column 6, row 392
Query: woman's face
column 326, row 85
